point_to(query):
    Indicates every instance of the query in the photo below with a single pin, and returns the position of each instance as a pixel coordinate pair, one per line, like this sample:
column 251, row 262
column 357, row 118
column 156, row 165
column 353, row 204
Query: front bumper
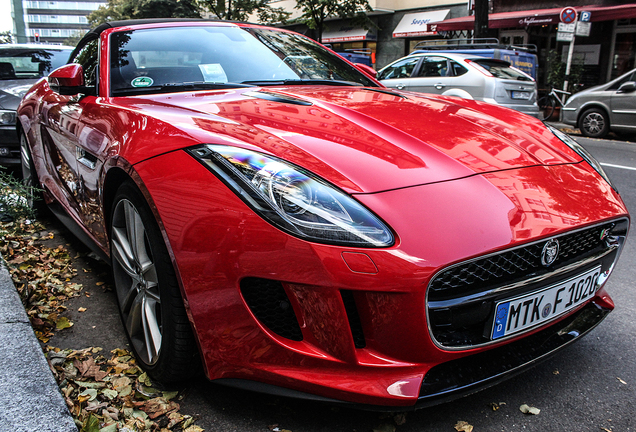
column 350, row 324
column 9, row 146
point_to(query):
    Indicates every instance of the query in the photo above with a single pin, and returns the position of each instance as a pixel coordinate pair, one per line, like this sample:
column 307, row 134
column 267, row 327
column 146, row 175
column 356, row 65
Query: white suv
column 466, row 76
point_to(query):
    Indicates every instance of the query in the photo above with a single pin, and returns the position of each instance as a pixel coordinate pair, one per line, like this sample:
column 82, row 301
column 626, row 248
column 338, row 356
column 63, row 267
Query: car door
column 63, row 130
column 432, row 76
column 91, row 145
column 398, row 75
column 623, row 105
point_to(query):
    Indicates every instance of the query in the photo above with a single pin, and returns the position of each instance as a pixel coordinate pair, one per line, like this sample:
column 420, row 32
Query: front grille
column 461, row 299
column 269, row 303
column 513, row 265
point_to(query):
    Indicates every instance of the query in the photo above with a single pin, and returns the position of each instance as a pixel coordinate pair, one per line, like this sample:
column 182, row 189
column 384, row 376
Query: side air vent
column 354, row 319
column 268, row 301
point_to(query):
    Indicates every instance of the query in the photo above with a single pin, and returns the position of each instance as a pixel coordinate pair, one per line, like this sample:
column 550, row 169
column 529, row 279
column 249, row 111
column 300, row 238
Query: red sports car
column 273, row 212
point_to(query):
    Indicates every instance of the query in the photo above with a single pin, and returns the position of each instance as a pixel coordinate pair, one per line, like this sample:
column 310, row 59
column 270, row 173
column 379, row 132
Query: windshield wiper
column 301, row 82
column 175, row 87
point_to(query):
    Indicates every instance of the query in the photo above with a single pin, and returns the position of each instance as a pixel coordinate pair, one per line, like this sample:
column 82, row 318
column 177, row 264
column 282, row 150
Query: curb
column 30, row 399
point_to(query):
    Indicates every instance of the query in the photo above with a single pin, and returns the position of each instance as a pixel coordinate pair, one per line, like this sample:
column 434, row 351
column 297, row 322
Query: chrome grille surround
column 461, row 298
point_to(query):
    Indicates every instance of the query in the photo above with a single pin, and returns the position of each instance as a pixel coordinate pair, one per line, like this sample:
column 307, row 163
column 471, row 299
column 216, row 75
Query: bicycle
column 548, row 102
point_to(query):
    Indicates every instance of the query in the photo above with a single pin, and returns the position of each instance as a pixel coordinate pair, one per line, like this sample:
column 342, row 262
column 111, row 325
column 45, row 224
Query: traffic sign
column 568, row 15
column 583, row 28
column 568, row 28
column 585, row 16
column 564, row 37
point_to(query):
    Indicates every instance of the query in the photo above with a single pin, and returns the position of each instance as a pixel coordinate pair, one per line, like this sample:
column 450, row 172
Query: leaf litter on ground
column 103, row 395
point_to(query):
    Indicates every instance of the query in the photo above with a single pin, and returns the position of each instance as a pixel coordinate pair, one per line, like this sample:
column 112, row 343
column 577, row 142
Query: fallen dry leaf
column 385, row 427
column 526, row 409
column 463, row 426
column 82, row 309
column 621, row 381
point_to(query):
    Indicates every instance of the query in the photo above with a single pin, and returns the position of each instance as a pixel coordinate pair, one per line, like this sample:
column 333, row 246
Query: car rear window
column 500, row 69
column 27, row 63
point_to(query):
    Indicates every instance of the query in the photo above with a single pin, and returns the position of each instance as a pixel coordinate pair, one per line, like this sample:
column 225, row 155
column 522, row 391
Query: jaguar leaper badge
column 550, row 252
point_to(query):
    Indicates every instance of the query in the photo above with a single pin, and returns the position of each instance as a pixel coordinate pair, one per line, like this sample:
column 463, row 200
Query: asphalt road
column 590, row 386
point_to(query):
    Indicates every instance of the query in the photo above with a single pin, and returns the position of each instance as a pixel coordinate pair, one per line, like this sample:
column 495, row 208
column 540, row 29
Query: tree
column 316, row 11
column 136, row 9
column 240, row 10
column 5, row 37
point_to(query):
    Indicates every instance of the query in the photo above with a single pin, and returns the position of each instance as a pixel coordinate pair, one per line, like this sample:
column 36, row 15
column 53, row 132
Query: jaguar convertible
column 277, row 218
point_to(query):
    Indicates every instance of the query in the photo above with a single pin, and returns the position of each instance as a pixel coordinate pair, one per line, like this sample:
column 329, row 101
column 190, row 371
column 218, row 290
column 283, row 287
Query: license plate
column 520, row 95
column 521, row 313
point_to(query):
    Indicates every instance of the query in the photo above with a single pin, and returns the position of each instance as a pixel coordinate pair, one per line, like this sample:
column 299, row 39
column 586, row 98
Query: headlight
column 7, row 117
column 578, row 148
column 293, row 199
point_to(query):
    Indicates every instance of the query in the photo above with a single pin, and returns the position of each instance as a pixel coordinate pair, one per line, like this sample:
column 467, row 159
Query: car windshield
column 171, row 59
column 26, row 63
column 500, row 69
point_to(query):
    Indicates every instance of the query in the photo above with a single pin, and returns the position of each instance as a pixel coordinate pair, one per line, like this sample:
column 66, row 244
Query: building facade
column 607, row 52
column 51, row 21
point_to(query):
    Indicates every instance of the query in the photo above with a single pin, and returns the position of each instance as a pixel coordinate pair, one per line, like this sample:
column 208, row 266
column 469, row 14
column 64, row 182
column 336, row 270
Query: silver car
column 608, row 107
column 466, row 76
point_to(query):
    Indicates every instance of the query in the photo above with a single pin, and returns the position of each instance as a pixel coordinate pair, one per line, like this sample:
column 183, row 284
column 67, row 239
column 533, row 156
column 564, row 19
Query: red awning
column 536, row 17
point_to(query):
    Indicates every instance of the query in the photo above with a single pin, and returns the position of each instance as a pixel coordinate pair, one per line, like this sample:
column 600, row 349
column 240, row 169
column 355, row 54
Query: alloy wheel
column 136, row 281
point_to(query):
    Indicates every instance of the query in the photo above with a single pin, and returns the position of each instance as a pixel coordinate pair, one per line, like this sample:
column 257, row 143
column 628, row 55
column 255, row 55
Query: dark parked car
column 275, row 213
column 20, row 67
column 609, row 107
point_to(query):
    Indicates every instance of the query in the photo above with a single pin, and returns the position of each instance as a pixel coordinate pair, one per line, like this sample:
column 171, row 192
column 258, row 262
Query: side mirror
column 627, row 87
column 365, row 69
column 68, row 80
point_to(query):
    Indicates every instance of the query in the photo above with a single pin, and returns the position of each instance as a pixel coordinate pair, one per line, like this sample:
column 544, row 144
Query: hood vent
column 276, row 97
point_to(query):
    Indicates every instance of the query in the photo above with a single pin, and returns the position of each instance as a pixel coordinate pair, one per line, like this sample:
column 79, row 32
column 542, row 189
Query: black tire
column 148, row 292
column 546, row 107
column 594, row 123
column 30, row 176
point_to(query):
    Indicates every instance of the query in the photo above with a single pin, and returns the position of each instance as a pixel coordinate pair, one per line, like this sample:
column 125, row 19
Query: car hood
column 12, row 91
column 361, row 139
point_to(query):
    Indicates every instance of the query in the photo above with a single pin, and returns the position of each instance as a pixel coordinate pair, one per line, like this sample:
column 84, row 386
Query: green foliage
column 137, row 9
column 556, row 71
column 315, row 12
column 240, row 10
column 5, row 37
column 73, row 40
column 15, row 198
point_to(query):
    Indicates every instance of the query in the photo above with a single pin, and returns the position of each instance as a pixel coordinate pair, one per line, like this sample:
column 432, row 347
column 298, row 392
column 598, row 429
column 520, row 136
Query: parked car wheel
column 149, row 297
column 594, row 123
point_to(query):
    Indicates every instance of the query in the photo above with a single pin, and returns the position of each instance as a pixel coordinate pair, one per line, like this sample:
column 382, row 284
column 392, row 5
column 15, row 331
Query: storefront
column 601, row 57
column 343, row 38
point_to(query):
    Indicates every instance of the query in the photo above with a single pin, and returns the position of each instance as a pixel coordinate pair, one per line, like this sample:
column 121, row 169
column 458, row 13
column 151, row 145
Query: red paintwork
column 449, row 176
column 69, row 75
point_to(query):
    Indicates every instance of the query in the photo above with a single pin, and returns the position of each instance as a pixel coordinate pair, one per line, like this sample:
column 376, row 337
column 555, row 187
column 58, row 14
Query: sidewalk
column 29, row 397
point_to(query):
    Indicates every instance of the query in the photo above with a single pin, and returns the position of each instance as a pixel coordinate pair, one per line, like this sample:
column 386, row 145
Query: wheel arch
column 591, row 105
column 458, row 93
